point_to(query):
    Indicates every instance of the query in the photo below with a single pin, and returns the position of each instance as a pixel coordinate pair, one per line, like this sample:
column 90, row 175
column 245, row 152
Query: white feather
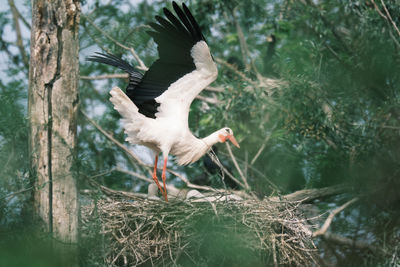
column 169, row 131
column 175, row 102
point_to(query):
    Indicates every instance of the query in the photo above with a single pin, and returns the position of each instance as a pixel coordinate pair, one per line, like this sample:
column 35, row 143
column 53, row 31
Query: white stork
column 155, row 108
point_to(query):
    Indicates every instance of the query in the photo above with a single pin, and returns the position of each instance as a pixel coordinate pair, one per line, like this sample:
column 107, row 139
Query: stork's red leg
column 163, row 177
column 155, row 175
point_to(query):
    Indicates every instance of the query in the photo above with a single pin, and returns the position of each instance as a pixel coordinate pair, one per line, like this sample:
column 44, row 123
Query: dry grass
column 193, row 233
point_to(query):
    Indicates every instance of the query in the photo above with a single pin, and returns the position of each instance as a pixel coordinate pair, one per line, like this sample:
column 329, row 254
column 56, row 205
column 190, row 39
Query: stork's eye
column 227, row 130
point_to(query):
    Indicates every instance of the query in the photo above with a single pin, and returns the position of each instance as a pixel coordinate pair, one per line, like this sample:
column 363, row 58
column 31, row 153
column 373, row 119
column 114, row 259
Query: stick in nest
column 140, row 231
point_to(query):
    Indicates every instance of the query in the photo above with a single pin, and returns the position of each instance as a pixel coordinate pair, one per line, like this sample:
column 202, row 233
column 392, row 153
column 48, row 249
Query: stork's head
column 227, row 134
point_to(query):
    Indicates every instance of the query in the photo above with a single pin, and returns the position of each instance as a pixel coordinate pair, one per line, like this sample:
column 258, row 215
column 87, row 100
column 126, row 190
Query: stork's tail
column 131, row 118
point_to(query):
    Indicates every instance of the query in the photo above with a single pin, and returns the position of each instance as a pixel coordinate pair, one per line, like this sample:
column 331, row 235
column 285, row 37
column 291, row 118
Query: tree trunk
column 53, row 103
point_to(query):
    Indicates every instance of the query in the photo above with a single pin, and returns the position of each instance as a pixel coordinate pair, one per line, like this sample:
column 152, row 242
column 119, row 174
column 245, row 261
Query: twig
column 188, row 184
column 113, row 193
column 328, row 221
column 243, row 45
column 352, row 243
column 101, row 174
column 17, row 28
column 111, row 138
column 246, row 163
column 273, row 186
column 134, row 174
column 9, row 196
column 378, row 10
column 274, row 250
column 98, row 42
column 208, row 99
column 218, row 89
column 329, row 25
column 388, row 22
column 106, row 76
column 390, row 17
column 261, row 149
column 235, row 70
column 390, row 127
column 194, row 186
column 125, row 76
column 22, row 18
column 244, row 179
column 225, row 171
column 148, row 231
column 141, row 66
column 309, row 195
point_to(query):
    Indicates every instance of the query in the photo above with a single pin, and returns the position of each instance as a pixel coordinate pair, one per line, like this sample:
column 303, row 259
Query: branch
column 390, row 17
column 235, row 70
column 330, row 26
column 243, row 45
column 22, row 18
column 260, row 150
column 115, row 141
column 390, row 127
column 106, row 76
column 273, row 186
column 19, row 43
column 171, row 188
column 182, row 178
column 134, row 174
column 141, row 66
column 224, row 170
column 273, row 240
column 194, row 186
column 309, row 195
column 117, row 193
column 328, row 221
column 378, row 10
column 218, row 89
column 175, row 191
column 11, row 195
column 341, row 240
column 95, row 39
column 125, row 76
column 387, row 21
column 244, row 179
column 208, row 99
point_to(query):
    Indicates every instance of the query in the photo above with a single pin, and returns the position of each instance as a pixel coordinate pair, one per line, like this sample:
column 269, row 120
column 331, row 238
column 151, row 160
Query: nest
column 231, row 233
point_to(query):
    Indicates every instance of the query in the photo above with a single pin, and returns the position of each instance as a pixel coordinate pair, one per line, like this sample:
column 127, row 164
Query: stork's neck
column 193, row 148
column 211, row 140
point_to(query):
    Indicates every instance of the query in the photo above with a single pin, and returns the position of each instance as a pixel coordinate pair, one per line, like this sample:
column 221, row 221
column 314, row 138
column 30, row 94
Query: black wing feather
column 175, row 36
column 146, row 107
column 184, row 19
column 176, row 23
column 115, row 61
column 193, row 21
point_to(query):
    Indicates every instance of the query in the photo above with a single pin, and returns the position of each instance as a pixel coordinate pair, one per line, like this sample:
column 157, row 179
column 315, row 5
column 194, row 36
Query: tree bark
column 53, row 103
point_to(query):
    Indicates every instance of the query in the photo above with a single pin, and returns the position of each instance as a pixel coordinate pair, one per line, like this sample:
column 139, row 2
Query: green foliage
column 332, row 118
column 24, row 247
column 222, row 246
column 14, row 160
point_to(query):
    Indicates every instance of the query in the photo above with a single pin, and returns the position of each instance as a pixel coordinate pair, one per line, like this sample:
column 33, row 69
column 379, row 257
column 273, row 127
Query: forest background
column 310, row 88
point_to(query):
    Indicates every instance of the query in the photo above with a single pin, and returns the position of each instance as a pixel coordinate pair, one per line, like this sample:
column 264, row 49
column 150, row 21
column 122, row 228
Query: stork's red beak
column 233, row 140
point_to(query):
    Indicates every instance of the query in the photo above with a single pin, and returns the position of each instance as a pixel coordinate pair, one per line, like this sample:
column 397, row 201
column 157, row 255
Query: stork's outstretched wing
column 184, row 66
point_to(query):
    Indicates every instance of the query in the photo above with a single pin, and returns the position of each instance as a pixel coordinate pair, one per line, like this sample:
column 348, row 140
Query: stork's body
column 156, row 105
